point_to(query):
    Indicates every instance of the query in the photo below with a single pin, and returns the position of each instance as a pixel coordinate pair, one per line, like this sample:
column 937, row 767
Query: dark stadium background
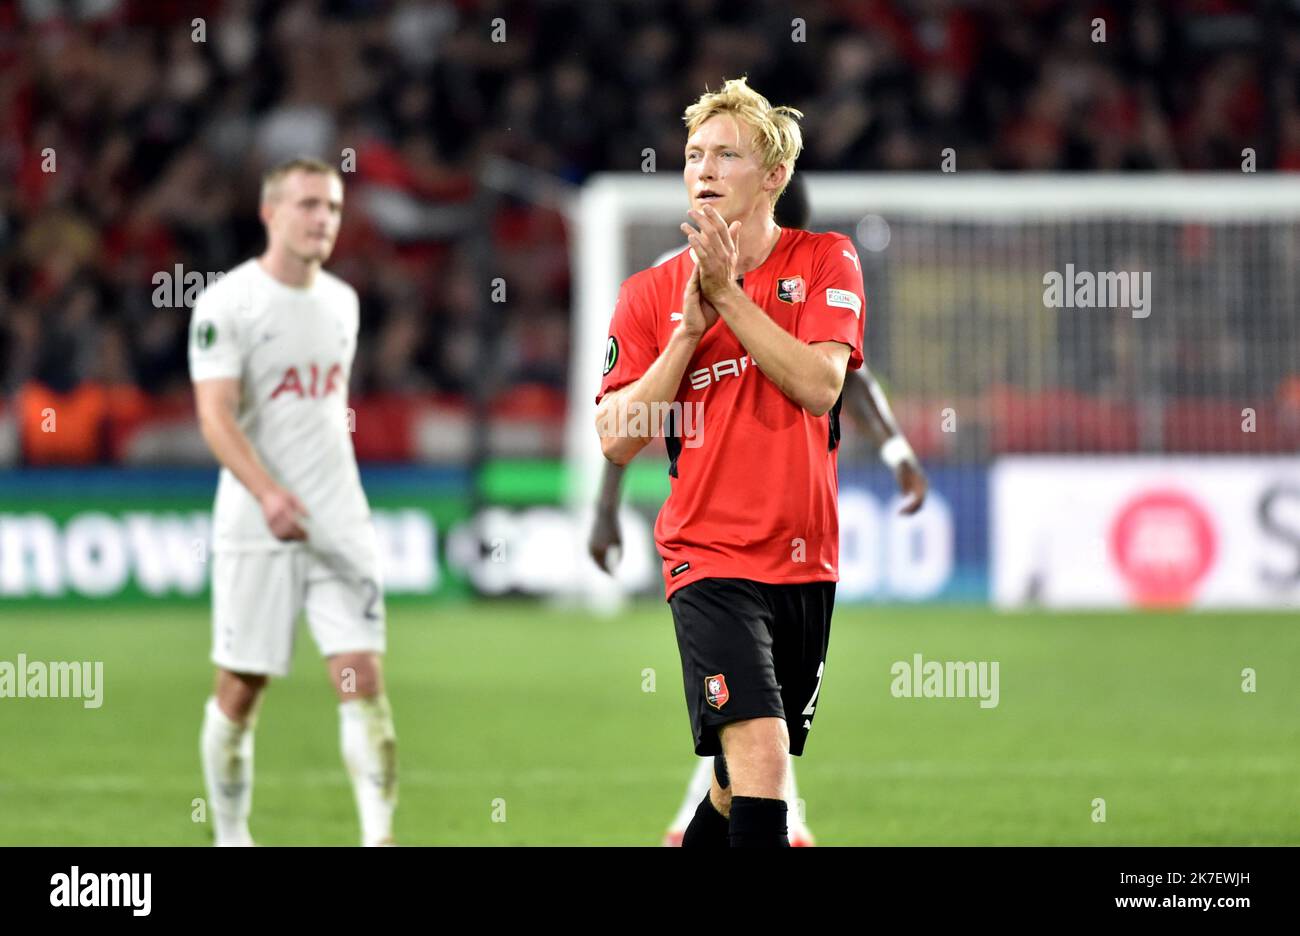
column 160, row 141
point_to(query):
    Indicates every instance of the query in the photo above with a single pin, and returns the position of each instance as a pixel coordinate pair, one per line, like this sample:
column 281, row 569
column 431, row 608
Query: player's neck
column 758, row 237
column 288, row 269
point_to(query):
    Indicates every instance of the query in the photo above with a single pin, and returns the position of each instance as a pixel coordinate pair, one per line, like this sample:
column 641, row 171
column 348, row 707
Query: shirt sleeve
column 836, row 307
column 632, row 345
column 215, row 347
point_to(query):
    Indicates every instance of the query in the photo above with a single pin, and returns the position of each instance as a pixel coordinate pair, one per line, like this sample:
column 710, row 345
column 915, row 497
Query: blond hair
column 777, row 136
column 275, row 175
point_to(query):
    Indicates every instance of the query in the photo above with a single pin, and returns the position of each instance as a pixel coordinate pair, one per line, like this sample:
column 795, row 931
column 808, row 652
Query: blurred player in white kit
column 271, row 350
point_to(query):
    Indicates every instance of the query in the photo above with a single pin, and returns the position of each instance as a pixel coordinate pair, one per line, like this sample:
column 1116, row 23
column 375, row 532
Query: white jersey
column 292, row 350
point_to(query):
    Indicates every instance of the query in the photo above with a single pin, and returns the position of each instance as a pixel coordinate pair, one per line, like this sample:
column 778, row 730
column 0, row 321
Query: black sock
column 708, row 829
column 758, row 823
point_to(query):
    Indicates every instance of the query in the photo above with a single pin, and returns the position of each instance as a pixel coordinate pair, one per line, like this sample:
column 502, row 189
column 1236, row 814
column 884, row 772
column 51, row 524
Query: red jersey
column 755, row 490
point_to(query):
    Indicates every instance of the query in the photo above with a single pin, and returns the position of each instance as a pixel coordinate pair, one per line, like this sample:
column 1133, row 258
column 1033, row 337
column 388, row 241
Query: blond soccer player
column 271, row 350
column 754, row 328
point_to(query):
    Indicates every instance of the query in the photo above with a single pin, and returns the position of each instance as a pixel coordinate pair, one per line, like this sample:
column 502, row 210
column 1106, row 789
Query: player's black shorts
column 751, row 650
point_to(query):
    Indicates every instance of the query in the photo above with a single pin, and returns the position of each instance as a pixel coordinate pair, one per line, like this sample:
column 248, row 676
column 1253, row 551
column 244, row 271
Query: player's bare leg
column 226, row 746
column 356, row 675
column 704, row 779
column 368, row 741
column 239, row 694
column 757, row 755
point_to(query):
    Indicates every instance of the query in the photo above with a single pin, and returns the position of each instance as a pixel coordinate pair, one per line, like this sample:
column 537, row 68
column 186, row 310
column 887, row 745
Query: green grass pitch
column 540, row 717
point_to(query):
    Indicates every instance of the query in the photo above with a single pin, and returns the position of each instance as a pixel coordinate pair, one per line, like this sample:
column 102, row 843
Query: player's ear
column 776, row 177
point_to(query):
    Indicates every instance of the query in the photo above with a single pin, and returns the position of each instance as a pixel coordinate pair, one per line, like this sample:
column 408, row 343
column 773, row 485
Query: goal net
column 1106, row 319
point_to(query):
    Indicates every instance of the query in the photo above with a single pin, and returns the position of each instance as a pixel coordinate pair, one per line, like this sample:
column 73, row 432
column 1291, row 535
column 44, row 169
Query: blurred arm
column 866, row 404
column 605, row 534
column 217, row 401
column 611, row 483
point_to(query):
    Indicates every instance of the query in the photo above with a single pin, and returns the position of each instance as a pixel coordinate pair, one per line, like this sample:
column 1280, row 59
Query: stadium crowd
column 133, row 134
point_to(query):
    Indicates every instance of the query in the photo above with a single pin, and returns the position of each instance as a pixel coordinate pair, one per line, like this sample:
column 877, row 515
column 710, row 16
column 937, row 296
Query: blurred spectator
column 159, row 140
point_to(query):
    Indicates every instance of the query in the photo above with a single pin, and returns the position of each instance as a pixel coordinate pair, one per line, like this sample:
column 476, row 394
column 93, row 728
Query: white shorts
column 258, row 596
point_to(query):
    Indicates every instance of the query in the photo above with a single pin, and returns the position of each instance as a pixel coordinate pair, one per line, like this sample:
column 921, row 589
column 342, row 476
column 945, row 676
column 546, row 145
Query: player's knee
column 357, row 675
column 238, row 693
column 756, row 754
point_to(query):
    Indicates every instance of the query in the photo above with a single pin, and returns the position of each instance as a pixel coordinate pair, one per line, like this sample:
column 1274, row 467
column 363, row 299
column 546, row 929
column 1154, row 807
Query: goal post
column 1092, row 315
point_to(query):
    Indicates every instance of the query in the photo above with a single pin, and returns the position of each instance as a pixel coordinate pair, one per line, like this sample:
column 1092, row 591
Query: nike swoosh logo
column 675, row 317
